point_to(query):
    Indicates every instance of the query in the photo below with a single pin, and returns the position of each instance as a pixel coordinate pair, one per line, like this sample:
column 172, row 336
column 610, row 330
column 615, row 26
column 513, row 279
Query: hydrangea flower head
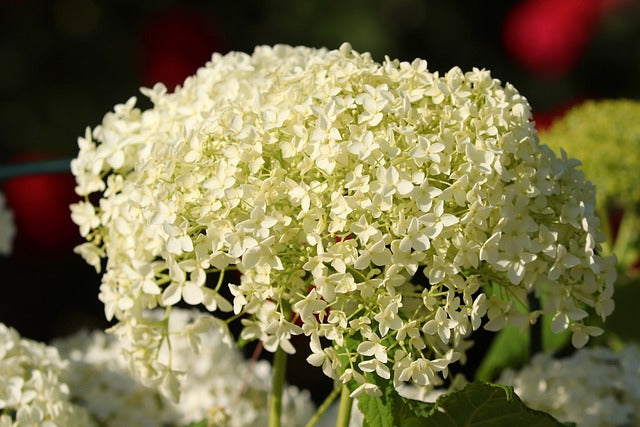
column 594, row 387
column 330, row 181
column 605, row 137
column 33, row 390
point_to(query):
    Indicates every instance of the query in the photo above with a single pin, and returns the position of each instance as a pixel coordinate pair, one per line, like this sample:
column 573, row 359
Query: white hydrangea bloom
column 7, row 228
column 595, row 387
column 327, row 180
column 217, row 383
column 32, row 387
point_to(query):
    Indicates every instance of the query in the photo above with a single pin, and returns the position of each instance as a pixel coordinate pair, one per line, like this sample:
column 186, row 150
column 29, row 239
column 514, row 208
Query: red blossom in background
column 548, row 36
column 175, row 43
column 40, row 205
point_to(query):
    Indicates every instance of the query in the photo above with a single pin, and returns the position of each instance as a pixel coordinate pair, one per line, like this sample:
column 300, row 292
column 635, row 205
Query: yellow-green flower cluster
column 329, row 181
column 605, row 137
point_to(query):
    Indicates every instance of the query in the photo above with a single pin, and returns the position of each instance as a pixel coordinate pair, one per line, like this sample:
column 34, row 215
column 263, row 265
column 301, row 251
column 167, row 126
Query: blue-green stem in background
column 9, row 171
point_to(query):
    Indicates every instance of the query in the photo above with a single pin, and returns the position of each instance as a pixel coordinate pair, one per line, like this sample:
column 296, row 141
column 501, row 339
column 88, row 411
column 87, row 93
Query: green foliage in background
column 605, row 137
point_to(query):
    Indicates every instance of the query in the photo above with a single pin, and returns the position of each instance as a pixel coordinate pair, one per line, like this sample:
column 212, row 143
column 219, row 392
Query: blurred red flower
column 548, row 36
column 40, row 205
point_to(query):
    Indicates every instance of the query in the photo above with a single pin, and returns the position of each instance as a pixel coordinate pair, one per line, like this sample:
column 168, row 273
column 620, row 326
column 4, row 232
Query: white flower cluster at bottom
column 218, row 384
column 594, row 387
column 38, row 384
column 32, row 389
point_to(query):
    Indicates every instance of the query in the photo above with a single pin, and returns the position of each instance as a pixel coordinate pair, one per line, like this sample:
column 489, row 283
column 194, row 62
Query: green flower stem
column 277, row 383
column 344, row 410
column 33, row 168
column 324, row 406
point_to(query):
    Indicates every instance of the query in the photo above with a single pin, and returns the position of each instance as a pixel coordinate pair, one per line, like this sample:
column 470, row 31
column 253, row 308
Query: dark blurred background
column 65, row 63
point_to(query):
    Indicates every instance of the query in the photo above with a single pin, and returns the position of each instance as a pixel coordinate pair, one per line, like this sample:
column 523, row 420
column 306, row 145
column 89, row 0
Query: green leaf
column 202, row 423
column 390, row 409
column 477, row 404
column 486, row 405
column 418, row 408
column 376, row 411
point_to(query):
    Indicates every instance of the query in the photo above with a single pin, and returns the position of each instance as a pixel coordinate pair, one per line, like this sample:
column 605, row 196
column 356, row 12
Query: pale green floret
column 605, row 137
column 328, row 180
